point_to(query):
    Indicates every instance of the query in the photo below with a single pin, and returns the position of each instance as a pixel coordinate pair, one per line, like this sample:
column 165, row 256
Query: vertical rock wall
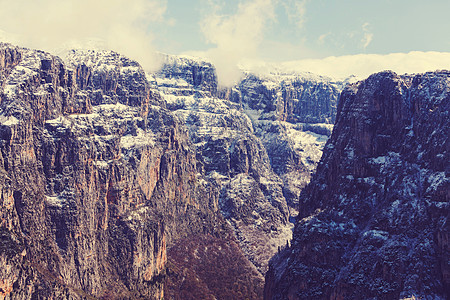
column 97, row 179
column 374, row 220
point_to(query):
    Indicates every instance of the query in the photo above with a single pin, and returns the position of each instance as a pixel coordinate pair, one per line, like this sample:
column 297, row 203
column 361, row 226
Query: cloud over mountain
column 52, row 24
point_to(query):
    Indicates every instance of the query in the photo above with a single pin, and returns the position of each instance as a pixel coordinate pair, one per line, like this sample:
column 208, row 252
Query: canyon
column 373, row 222
column 122, row 184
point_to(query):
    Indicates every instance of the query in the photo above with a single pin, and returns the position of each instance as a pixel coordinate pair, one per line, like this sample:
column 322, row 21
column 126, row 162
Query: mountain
column 120, row 184
column 98, row 179
column 373, row 222
column 253, row 142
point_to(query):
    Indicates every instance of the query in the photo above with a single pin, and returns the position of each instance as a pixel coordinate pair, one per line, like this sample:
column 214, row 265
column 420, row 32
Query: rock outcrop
column 185, row 75
column 295, row 98
column 373, row 222
column 245, row 147
column 119, row 184
column 97, row 179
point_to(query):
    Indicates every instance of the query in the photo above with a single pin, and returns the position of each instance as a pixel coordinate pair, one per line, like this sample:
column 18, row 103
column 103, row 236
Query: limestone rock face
column 257, row 160
column 188, row 73
column 119, row 184
column 294, row 98
column 97, row 179
column 373, row 222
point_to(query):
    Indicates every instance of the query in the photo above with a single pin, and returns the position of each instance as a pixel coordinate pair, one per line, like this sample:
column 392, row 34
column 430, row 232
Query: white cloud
column 367, row 39
column 296, row 10
column 362, row 65
column 120, row 25
column 301, row 11
column 368, row 36
column 365, row 26
column 323, row 37
column 236, row 36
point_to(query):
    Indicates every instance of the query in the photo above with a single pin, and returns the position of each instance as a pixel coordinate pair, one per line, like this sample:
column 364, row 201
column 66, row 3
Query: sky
column 337, row 38
column 297, row 29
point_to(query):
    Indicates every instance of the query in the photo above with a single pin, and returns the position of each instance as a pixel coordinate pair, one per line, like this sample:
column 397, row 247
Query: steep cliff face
column 245, row 147
column 71, row 201
column 192, row 74
column 294, row 98
column 97, row 179
column 234, row 161
column 373, row 222
column 120, row 184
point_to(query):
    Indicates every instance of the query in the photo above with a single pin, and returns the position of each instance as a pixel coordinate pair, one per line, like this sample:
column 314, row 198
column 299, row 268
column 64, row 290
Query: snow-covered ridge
column 278, row 73
column 169, row 59
column 101, row 61
column 27, row 68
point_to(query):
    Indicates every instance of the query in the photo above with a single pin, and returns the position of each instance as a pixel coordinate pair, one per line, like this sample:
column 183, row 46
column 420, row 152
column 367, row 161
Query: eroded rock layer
column 119, row 184
column 373, row 222
column 245, row 146
column 97, row 178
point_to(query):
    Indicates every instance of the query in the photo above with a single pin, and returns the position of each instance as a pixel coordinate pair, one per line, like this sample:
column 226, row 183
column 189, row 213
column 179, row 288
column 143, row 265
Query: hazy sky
column 228, row 32
column 296, row 29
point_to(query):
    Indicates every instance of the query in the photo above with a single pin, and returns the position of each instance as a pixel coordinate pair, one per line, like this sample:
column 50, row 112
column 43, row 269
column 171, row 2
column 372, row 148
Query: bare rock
column 373, row 221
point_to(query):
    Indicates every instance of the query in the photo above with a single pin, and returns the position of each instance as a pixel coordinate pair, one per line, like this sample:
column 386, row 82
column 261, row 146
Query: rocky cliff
column 97, row 180
column 119, row 184
column 185, row 75
column 245, row 147
column 373, row 222
column 295, row 98
column 292, row 115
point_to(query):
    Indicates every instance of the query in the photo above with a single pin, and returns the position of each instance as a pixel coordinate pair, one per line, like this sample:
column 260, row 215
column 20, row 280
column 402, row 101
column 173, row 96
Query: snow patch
column 56, row 201
column 436, row 180
column 59, row 122
column 175, row 82
column 138, row 214
column 101, row 164
column 141, row 139
column 381, row 160
column 377, row 234
column 8, row 120
column 110, row 107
